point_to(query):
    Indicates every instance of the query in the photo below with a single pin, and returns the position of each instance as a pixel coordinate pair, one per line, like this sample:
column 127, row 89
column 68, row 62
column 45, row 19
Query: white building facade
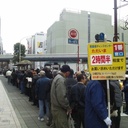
column 37, row 45
column 87, row 24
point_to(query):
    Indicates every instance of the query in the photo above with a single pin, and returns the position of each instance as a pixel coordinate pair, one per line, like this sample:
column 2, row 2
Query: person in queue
column 96, row 114
column 59, row 102
column 115, row 101
column 125, row 90
column 77, row 100
column 42, row 89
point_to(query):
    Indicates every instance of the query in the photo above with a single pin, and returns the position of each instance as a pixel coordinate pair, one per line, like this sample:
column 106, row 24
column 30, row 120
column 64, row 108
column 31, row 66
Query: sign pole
column 74, row 39
column 78, row 57
column 108, row 98
column 78, row 52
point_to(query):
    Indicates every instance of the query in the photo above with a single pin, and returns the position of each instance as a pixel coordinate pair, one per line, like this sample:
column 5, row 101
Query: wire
column 122, row 0
column 123, row 23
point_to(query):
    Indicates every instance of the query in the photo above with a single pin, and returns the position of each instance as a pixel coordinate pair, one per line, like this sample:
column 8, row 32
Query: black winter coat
column 43, row 85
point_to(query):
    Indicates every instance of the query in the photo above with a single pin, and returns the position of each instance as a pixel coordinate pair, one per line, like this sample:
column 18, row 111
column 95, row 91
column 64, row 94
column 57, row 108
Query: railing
column 46, row 57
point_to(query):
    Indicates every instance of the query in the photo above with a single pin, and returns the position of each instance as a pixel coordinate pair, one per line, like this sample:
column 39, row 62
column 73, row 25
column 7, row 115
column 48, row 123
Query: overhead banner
column 107, row 60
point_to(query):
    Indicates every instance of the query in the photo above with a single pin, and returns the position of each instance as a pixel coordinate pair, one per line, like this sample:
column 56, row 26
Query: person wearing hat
column 59, row 101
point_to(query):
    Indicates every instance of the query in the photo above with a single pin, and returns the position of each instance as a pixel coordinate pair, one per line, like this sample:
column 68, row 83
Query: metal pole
column 115, row 38
column 89, row 27
column 78, row 51
column 108, row 97
column 21, row 47
column 19, row 51
column 78, row 55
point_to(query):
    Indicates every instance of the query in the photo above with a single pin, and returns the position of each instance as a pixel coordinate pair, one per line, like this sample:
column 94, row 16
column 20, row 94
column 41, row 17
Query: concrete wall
column 87, row 24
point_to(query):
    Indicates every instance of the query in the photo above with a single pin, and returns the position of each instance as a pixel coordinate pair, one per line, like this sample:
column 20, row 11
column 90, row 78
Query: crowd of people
column 64, row 95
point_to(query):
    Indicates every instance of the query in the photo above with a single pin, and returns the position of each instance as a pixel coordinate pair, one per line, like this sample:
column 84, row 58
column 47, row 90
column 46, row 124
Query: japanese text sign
column 107, row 60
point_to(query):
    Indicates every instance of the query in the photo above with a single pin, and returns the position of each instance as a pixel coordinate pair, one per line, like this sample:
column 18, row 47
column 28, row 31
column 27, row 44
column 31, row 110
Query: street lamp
column 20, row 46
column 19, row 51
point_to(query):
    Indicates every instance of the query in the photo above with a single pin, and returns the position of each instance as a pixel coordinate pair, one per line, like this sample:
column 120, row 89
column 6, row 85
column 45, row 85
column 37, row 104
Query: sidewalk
column 8, row 118
column 17, row 112
column 15, row 109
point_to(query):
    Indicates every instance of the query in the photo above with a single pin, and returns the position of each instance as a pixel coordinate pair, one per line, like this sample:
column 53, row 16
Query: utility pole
column 115, row 38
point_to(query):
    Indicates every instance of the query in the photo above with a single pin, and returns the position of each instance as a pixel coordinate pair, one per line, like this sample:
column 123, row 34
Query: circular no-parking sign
column 72, row 33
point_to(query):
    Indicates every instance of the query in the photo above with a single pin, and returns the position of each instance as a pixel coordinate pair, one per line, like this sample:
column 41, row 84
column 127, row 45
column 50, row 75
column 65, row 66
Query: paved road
column 17, row 112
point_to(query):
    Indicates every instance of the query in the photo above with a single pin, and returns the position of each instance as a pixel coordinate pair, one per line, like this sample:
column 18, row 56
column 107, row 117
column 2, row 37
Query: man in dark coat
column 77, row 101
column 34, row 79
column 125, row 90
column 118, row 103
column 42, row 90
column 96, row 115
column 69, row 82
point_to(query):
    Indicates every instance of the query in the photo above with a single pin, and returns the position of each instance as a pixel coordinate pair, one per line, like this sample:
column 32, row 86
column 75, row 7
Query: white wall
column 57, row 34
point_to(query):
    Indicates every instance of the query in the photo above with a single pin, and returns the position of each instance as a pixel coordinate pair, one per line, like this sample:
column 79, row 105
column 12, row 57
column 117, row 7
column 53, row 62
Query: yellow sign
column 107, row 60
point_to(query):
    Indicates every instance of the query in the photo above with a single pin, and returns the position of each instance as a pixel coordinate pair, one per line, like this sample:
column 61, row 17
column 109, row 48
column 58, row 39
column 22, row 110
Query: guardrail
column 51, row 57
column 47, row 57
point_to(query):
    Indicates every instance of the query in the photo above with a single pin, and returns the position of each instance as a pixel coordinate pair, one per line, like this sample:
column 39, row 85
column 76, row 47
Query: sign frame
column 110, row 60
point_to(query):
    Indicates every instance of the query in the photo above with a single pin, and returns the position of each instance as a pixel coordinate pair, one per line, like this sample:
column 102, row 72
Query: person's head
column 65, row 69
column 29, row 73
column 54, row 73
column 42, row 73
column 77, row 73
column 34, row 73
column 81, row 78
column 71, row 73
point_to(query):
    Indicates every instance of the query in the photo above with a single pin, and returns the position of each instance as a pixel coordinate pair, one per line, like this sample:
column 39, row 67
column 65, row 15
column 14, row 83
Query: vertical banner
column 39, row 47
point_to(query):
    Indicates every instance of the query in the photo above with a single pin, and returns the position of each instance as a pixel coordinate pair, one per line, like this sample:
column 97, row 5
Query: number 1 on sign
column 118, row 47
